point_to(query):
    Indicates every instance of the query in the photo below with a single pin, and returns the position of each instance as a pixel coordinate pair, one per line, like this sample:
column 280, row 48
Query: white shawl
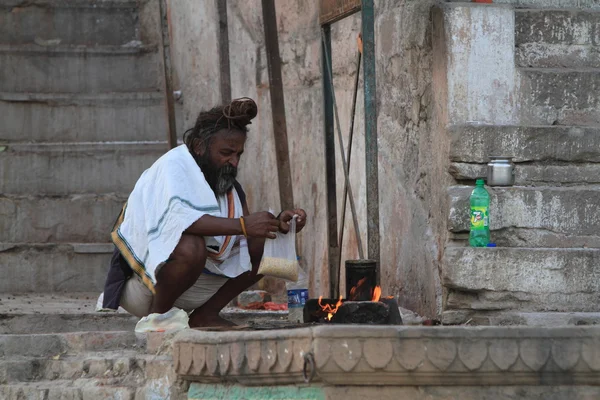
column 170, row 196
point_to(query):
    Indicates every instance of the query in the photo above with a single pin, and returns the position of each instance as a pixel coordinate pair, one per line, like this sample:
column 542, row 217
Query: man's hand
column 286, row 216
column 261, row 224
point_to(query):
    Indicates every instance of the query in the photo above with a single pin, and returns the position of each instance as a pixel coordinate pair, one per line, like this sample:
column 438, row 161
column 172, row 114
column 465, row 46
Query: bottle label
column 479, row 218
column 297, row 298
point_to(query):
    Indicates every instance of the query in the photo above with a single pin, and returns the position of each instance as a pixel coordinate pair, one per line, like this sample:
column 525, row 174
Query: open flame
column 376, row 293
column 330, row 310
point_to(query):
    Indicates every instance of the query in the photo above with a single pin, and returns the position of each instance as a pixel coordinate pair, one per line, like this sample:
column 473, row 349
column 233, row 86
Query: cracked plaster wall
column 412, row 149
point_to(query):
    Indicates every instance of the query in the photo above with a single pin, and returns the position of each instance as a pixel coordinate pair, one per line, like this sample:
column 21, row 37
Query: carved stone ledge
column 250, row 358
column 378, row 355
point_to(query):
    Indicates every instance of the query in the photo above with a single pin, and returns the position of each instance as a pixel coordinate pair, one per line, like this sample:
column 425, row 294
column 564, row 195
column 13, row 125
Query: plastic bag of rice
column 279, row 258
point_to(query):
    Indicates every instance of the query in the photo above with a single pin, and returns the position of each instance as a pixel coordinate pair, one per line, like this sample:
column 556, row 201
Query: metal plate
column 334, row 10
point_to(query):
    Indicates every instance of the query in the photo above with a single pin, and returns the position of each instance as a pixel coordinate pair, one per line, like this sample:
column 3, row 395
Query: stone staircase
column 82, row 117
column 547, row 266
column 84, row 365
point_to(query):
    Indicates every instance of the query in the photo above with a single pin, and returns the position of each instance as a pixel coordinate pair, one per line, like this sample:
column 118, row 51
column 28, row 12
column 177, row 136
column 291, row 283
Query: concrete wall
column 413, row 156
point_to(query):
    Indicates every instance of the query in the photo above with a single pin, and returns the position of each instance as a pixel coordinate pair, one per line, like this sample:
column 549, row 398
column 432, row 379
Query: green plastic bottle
column 480, row 220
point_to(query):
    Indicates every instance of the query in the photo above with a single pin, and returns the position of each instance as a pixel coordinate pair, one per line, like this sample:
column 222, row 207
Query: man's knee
column 191, row 250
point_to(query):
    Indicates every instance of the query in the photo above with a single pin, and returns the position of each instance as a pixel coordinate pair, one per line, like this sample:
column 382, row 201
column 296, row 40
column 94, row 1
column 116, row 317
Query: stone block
column 51, row 268
column 31, row 345
column 591, row 5
column 60, row 169
column 475, row 143
column 252, row 298
column 540, row 279
column 39, row 117
column 570, row 211
column 74, row 70
column 567, row 27
column 486, row 90
column 73, row 23
column 560, row 96
column 78, row 218
column 541, row 174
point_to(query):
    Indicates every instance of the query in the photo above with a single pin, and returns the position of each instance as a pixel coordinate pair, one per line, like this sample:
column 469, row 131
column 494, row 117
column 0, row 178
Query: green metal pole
column 371, row 156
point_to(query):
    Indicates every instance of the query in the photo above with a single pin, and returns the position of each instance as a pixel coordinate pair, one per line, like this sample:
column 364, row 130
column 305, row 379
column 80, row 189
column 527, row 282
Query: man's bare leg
column 180, row 273
column 208, row 313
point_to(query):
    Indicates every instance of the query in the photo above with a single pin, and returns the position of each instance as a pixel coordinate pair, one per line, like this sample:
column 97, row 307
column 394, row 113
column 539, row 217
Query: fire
column 355, row 288
column 330, row 310
column 376, row 293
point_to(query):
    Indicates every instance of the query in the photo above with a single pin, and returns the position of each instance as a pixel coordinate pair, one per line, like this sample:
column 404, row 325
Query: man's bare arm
column 258, row 225
column 215, row 226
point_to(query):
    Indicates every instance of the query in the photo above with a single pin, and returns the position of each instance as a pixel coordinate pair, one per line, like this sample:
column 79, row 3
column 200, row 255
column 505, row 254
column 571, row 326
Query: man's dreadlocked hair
column 236, row 115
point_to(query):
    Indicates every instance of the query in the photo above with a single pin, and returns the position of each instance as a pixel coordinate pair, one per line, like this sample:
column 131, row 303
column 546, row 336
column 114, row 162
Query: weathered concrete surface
column 52, row 344
column 557, row 38
column 411, row 161
column 560, row 96
column 51, row 268
column 30, row 68
column 541, row 279
column 62, row 169
column 483, row 83
column 480, row 317
column 532, row 174
column 73, row 218
column 550, row 4
column 476, row 143
column 74, row 22
column 392, row 356
column 39, row 117
column 567, row 210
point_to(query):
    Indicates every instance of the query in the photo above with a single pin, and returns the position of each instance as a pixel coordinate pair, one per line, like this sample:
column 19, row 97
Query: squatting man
column 185, row 237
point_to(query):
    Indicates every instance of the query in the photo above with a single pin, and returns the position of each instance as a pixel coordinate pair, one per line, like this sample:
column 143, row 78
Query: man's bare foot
column 199, row 319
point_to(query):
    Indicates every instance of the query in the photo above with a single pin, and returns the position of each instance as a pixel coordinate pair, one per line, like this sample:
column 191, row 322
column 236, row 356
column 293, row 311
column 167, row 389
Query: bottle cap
column 480, row 182
column 491, row 245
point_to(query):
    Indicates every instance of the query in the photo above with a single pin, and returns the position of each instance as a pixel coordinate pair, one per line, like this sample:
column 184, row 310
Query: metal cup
column 500, row 171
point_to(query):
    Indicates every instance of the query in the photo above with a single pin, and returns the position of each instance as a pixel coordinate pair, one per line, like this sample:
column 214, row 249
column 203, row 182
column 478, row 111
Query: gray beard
column 221, row 179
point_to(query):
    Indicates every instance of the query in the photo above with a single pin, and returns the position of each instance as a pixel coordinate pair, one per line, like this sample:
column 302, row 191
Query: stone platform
column 325, row 362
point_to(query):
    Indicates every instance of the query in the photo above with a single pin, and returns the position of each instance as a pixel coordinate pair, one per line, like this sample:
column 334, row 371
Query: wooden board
column 334, row 10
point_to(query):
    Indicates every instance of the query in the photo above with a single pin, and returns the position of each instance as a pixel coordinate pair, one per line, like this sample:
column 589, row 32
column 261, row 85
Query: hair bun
column 241, row 111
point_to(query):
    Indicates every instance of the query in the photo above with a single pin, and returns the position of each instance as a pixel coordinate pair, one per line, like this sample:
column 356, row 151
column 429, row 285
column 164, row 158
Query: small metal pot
column 501, row 172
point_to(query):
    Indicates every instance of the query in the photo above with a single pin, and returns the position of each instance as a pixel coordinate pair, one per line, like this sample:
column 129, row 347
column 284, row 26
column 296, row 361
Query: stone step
column 73, row 218
column 53, row 268
column 523, row 279
column 78, row 69
column 557, row 38
column 87, row 320
column 544, row 155
column 551, row 4
column 560, row 96
column 516, row 318
column 128, row 364
column 573, row 144
column 58, row 344
column 73, row 117
column 70, row 22
column 69, row 168
column 544, row 174
column 58, row 313
column 66, row 389
column 534, row 216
